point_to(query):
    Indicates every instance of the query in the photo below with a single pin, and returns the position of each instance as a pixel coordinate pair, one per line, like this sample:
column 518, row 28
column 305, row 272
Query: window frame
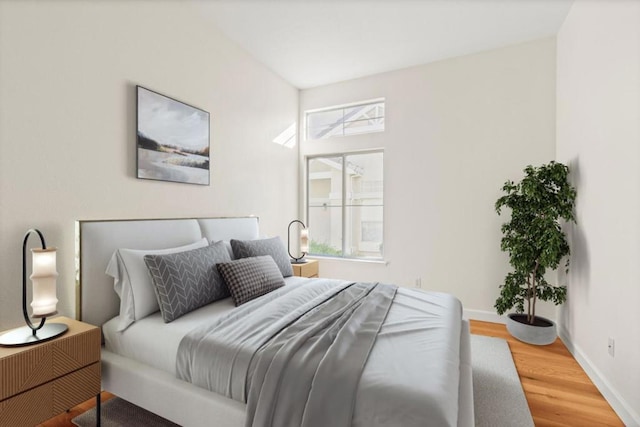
column 343, row 206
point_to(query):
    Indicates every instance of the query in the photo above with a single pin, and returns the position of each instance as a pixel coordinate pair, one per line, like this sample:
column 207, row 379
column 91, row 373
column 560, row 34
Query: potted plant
column 535, row 243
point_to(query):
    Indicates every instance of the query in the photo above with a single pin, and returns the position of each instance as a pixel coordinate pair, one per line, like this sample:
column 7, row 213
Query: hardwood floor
column 558, row 391
column 64, row 420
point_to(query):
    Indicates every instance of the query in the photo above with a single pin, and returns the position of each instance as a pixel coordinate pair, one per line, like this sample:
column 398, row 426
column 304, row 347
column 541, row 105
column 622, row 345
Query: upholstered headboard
column 97, row 301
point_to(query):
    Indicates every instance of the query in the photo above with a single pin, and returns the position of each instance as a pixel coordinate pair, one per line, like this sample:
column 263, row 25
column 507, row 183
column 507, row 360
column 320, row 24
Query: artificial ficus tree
column 533, row 236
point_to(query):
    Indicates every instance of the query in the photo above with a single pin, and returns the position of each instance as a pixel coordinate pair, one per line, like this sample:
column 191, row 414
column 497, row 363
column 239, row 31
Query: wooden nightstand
column 308, row 269
column 40, row 381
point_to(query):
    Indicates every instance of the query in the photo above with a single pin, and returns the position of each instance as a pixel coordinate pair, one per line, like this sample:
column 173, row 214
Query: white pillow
column 133, row 284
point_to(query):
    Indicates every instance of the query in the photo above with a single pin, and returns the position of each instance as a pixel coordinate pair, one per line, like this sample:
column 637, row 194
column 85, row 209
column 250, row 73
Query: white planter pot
column 544, row 333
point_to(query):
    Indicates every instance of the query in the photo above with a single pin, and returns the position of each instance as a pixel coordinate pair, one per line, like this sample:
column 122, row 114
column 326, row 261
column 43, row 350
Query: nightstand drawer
column 24, row 368
column 76, row 387
column 45, row 401
column 29, row 408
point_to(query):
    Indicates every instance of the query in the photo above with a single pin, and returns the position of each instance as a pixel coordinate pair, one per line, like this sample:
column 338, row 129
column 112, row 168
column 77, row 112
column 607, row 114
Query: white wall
column 455, row 131
column 598, row 134
column 68, row 71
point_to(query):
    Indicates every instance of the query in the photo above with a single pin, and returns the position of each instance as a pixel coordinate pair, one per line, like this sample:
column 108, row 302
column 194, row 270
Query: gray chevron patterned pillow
column 249, row 278
column 272, row 247
column 187, row 280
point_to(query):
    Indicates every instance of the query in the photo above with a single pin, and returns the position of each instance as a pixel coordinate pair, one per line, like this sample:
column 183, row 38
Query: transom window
column 345, row 204
column 347, row 120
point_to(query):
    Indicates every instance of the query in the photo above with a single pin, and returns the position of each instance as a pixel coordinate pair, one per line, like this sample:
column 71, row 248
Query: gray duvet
column 333, row 353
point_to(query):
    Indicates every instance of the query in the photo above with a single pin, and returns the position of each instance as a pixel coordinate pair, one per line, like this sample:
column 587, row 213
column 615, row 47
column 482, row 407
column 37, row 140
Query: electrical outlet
column 611, row 347
column 419, row 282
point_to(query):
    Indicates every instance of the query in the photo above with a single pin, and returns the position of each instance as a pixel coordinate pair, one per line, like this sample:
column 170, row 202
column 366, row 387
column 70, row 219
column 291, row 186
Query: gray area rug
column 498, row 397
column 118, row 412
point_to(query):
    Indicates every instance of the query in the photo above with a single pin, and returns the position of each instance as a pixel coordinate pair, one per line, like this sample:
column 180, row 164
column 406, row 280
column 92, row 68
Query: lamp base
column 24, row 336
column 299, row 261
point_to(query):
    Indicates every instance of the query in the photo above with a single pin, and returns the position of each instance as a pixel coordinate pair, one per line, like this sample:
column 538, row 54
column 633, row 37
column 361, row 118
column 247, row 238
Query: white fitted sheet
column 155, row 343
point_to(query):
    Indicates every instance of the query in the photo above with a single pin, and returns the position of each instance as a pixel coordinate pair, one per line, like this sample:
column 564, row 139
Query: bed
column 139, row 363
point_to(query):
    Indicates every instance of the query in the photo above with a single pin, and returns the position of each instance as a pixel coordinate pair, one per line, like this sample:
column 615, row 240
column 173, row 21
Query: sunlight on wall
column 288, row 137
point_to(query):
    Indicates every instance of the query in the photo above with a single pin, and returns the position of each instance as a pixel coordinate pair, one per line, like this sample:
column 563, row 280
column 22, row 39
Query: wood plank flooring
column 558, row 391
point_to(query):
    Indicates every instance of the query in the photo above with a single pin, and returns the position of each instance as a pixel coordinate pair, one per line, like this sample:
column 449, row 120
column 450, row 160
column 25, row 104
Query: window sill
column 333, row 258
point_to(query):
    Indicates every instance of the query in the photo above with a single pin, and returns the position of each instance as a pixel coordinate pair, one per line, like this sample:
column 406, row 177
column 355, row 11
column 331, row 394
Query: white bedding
column 411, row 375
column 155, row 343
column 429, row 323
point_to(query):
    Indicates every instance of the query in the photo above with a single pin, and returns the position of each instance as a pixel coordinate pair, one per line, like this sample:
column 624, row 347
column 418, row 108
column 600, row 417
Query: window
column 345, row 205
column 342, row 121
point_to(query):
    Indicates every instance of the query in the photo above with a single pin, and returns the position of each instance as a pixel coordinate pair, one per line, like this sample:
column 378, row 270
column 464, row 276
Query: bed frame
column 150, row 388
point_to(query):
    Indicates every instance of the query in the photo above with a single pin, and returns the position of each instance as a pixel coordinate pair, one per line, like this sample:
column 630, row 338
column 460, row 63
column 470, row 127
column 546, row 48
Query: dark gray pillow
column 249, row 278
column 187, row 280
column 272, row 247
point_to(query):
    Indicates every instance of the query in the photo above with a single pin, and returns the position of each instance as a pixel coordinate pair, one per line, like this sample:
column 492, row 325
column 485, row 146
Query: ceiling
column 316, row 42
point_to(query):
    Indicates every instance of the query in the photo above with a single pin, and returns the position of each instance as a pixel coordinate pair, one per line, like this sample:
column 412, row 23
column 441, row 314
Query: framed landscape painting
column 172, row 138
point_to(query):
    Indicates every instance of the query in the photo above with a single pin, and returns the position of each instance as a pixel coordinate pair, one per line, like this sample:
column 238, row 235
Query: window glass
column 325, row 205
column 342, row 121
column 345, row 204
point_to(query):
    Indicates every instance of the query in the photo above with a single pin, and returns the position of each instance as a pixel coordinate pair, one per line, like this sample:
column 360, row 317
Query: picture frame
column 172, row 139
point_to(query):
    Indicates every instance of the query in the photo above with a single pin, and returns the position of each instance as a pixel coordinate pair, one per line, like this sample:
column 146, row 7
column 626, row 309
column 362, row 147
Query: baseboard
column 624, row 410
column 484, row 316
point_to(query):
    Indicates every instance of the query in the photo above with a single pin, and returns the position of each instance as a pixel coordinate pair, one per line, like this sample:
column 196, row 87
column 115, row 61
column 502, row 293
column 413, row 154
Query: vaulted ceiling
column 315, row 42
